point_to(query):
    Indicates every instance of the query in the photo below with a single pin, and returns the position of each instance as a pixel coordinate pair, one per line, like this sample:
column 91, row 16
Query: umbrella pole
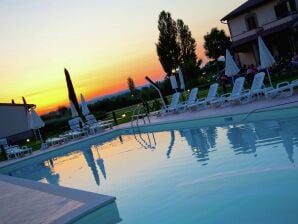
column 35, row 136
column 41, row 140
column 268, row 74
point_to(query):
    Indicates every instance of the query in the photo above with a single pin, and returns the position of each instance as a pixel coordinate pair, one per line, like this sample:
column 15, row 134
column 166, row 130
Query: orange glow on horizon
column 101, row 45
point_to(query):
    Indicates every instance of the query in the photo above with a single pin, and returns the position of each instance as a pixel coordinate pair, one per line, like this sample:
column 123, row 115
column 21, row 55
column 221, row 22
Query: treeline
column 175, row 47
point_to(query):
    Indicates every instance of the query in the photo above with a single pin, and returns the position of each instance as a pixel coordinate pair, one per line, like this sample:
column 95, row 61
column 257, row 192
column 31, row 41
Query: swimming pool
column 217, row 173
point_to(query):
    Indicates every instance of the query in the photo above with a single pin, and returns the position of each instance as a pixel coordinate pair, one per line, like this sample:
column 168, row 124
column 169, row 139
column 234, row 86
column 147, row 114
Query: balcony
column 266, row 27
column 280, row 22
column 245, row 34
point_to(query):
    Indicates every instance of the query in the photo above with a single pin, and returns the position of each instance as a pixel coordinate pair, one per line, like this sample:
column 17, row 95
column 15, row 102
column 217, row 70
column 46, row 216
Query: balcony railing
column 280, row 21
column 245, row 34
column 266, row 26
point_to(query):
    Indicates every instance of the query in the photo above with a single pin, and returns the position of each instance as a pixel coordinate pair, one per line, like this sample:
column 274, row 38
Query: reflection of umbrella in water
column 91, row 163
column 171, row 144
column 287, row 140
column 100, row 163
column 120, row 139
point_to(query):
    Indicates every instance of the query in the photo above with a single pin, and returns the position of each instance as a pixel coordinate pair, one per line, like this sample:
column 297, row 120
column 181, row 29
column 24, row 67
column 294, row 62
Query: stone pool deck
column 25, row 201
column 228, row 110
column 29, row 202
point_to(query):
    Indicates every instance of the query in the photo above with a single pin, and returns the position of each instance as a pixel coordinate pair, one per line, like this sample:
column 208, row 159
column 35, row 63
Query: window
column 285, row 8
column 251, row 21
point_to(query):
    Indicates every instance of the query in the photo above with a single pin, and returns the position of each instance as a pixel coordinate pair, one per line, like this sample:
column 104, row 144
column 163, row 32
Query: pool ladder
column 139, row 112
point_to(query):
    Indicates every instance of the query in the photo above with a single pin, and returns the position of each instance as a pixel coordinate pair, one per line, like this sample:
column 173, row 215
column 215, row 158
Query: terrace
column 54, row 204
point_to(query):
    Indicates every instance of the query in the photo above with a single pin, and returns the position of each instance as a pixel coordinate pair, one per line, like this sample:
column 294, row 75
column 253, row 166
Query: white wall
column 13, row 120
column 265, row 14
column 247, row 58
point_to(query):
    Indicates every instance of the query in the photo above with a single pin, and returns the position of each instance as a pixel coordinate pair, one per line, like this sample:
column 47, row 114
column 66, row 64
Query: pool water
column 234, row 173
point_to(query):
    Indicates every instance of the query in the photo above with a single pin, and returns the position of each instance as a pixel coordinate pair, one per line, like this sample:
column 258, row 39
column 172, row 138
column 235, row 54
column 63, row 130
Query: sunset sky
column 101, row 43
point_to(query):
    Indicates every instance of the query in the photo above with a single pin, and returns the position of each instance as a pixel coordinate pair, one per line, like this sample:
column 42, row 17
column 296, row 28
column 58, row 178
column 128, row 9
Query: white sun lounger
column 212, row 95
column 234, row 96
column 283, row 89
column 173, row 106
column 77, row 125
column 294, row 83
column 14, row 151
column 257, row 87
column 95, row 125
column 191, row 99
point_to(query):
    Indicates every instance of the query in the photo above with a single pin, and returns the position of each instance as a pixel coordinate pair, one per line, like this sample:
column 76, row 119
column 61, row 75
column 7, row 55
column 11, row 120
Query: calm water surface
column 229, row 174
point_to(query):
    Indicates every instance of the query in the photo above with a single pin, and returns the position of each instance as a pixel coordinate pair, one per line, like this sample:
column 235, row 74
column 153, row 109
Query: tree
column 168, row 49
column 186, row 42
column 131, row 86
column 216, row 42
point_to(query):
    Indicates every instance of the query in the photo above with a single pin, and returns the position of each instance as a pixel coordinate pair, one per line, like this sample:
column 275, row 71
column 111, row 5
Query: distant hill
column 94, row 100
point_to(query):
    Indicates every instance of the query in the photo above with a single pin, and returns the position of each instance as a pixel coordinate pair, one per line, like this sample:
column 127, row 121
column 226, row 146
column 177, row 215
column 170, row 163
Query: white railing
column 266, row 26
column 279, row 22
column 245, row 34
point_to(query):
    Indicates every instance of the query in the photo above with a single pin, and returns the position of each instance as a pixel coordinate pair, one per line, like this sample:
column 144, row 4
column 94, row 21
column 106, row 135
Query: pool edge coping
column 127, row 129
column 92, row 201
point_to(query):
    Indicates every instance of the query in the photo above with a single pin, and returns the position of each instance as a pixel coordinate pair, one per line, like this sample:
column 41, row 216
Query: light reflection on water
column 203, row 169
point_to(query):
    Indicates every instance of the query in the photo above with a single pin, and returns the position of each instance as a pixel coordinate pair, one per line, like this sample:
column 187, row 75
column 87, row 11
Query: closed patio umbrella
column 36, row 122
column 85, row 109
column 231, row 69
column 174, row 82
column 71, row 91
column 266, row 58
column 182, row 84
column 73, row 110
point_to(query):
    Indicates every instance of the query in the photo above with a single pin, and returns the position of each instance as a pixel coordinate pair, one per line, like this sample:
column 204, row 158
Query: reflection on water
column 146, row 140
column 88, row 155
column 170, row 148
column 150, row 167
column 100, row 161
column 201, row 141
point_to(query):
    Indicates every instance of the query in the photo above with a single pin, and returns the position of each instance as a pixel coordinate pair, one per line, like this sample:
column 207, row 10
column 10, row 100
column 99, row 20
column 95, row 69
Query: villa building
column 276, row 21
column 14, row 124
